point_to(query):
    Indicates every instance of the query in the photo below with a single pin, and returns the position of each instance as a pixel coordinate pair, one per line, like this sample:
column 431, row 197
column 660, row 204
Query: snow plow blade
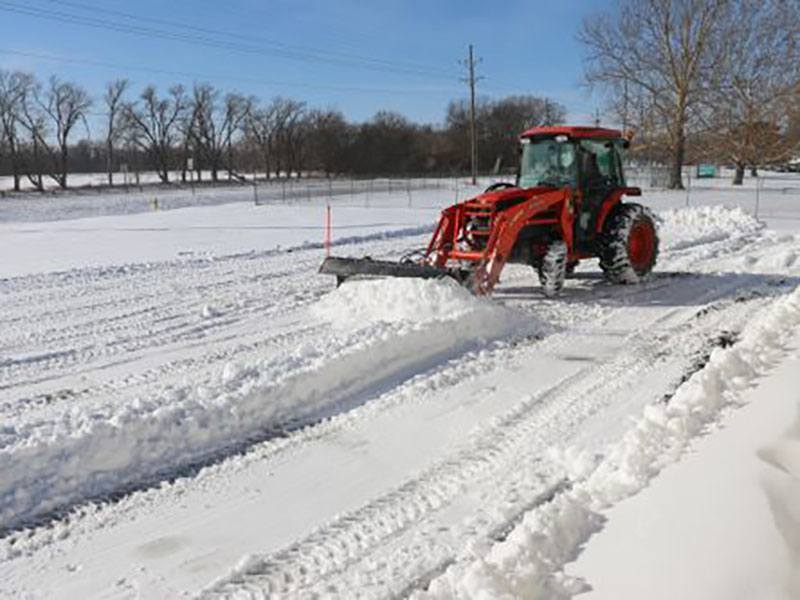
column 344, row 268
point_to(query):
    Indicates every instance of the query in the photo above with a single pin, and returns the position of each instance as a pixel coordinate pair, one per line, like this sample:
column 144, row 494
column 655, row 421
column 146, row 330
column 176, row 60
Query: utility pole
column 625, row 105
column 473, row 142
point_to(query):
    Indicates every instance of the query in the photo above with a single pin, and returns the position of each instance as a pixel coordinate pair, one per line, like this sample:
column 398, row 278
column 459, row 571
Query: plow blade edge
column 344, row 268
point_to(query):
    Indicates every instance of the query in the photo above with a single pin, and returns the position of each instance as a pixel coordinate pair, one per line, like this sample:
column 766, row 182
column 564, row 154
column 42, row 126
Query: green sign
column 706, row 171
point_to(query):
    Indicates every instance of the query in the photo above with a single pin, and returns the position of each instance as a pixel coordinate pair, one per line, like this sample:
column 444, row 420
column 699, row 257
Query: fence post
column 408, row 188
column 688, row 186
column 255, row 192
column 758, row 195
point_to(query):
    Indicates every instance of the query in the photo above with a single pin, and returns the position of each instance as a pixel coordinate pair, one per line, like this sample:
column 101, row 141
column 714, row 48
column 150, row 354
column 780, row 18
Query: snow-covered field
column 187, row 408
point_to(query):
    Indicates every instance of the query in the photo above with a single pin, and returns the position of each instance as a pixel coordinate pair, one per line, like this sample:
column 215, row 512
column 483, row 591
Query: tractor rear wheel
column 553, row 268
column 629, row 244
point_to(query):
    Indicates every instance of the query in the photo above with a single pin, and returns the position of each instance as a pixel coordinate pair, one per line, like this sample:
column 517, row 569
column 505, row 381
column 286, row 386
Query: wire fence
column 385, row 191
column 426, row 192
column 767, row 195
column 770, row 195
column 361, row 191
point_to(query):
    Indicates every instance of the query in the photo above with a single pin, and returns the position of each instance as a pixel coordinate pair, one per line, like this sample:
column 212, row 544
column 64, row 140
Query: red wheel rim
column 641, row 245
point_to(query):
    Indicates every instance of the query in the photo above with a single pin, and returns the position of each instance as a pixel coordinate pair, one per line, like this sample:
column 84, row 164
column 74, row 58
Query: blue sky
column 356, row 56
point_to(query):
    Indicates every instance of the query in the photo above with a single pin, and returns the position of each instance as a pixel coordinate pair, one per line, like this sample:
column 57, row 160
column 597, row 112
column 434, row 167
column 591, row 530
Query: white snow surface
column 722, row 523
column 528, row 564
column 205, row 414
column 192, row 233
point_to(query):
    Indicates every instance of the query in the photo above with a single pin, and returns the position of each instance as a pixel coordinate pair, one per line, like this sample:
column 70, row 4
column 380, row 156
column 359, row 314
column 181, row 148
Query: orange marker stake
column 328, row 236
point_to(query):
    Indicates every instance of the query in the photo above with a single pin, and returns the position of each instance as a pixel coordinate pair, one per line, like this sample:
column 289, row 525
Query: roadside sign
column 706, row 171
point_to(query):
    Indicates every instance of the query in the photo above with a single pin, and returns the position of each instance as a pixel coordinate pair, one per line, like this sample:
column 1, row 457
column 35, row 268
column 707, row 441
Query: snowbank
column 400, row 300
column 50, row 465
column 782, row 485
column 708, row 527
column 528, row 564
column 688, row 227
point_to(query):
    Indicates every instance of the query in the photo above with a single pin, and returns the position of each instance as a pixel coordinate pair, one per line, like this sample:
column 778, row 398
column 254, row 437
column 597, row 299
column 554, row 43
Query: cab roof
column 573, row 132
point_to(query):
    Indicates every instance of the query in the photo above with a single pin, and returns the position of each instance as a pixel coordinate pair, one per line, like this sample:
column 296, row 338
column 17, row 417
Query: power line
column 329, row 31
column 317, row 52
column 202, row 40
column 202, row 76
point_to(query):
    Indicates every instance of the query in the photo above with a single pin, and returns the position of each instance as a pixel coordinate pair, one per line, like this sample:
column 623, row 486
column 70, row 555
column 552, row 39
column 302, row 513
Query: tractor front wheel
column 629, row 244
column 553, row 268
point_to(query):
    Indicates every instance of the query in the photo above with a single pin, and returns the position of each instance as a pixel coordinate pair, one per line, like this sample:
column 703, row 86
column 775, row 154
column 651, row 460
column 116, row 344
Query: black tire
column 629, row 244
column 553, row 268
column 571, row 265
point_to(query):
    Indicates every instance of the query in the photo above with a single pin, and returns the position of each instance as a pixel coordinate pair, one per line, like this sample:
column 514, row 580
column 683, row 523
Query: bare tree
column 499, row 123
column 751, row 104
column 329, row 140
column 215, row 124
column 189, row 151
column 388, row 144
column 293, row 135
column 289, row 133
column 279, row 132
column 663, row 50
column 155, row 125
column 260, row 131
column 115, row 124
column 13, row 88
column 63, row 105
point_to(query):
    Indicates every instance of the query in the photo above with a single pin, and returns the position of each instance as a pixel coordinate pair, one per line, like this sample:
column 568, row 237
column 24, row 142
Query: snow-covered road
column 223, row 425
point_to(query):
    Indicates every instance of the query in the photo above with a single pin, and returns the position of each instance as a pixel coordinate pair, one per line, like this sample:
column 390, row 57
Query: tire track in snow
column 634, row 294
column 269, row 289
column 186, row 427
column 341, row 557
column 266, row 573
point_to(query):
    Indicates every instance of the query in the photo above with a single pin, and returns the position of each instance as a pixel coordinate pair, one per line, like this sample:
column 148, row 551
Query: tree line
column 701, row 80
column 203, row 131
column 697, row 80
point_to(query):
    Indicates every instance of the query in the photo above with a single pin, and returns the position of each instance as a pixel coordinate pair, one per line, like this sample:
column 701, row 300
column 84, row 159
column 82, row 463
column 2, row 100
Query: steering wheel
column 500, row 185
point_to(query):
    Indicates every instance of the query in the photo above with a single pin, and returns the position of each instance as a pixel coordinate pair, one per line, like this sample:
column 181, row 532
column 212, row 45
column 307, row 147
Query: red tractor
column 566, row 205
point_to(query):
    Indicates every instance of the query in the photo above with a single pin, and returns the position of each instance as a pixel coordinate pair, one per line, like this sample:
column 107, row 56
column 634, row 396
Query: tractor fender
column 613, row 199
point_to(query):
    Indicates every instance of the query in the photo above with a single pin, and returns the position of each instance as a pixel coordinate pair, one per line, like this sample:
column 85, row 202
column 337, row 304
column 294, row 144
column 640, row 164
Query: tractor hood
column 504, row 198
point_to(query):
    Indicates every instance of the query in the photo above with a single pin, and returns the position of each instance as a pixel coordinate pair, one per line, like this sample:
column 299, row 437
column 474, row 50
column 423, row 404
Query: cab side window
column 601, row 165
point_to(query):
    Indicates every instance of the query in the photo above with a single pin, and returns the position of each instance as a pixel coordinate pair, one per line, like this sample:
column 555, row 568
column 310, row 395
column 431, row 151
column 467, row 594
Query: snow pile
column 782, row 486
column 407, row 300
column 689, row 227
column 54, row 463
column 528, row 564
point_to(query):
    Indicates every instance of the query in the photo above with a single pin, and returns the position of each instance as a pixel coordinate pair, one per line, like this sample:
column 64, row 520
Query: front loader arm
column 445, row 236
column 506, row 229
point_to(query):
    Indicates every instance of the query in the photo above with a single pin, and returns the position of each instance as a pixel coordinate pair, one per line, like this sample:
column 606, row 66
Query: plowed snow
column 230, row 425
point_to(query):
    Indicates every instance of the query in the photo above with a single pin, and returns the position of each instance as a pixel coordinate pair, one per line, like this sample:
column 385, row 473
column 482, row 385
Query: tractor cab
column 586, row 159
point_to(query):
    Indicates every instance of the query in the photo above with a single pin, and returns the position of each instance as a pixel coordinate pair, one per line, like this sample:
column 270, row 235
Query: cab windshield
column 547, row 162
